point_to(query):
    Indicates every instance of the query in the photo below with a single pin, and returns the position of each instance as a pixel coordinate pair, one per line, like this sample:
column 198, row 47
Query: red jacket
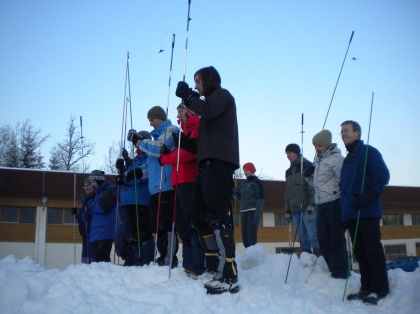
column 188, row 165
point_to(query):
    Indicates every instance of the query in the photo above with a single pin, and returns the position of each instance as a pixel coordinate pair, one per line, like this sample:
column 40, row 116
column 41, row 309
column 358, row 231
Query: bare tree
column 68, row 154
column 113, row 154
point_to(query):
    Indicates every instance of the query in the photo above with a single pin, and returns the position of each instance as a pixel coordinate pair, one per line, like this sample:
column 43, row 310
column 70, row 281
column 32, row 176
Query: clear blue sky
column 278, row 58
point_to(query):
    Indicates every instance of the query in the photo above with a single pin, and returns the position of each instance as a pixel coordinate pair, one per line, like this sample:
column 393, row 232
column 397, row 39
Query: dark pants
column 369, row 252
column 249, row 229
column 331, row 238
column 212, row 198
column 161, row 217
column 192, row 252
column 138, row 218
column 102, row 250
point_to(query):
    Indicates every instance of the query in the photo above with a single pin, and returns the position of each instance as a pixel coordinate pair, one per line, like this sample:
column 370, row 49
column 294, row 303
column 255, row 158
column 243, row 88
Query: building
column 36, row 218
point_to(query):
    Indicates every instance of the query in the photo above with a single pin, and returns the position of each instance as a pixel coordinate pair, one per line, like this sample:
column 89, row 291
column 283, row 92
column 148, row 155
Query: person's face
column 182, row 114
column 319, row 149
column 247, row 173
column 291, row 156
column 89, row 190
column 198, row 84
column 155, row 122
column 348, row 135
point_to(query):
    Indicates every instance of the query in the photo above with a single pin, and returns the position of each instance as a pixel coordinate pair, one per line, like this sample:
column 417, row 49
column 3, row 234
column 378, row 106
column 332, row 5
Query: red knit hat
column 250, row 166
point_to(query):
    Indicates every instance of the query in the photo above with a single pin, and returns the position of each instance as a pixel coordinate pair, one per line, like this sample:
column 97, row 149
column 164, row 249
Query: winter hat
column 323, row 138
column 98, row 176
column 294, row 148
column 87, row 181
column 249, row 166
column 145, row 134
column 156, row 112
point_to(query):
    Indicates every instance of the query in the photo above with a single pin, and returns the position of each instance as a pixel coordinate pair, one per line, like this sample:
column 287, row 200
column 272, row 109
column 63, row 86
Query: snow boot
column 358, row 296
column 228, row 282
column 373, row 298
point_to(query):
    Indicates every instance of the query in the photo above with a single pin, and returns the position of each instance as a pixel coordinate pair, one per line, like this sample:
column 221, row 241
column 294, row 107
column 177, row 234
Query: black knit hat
column 156, row 112
column 98, row 176
column 294, row 148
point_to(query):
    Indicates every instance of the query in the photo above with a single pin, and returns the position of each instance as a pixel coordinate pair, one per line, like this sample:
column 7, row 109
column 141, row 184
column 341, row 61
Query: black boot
column 228, row 282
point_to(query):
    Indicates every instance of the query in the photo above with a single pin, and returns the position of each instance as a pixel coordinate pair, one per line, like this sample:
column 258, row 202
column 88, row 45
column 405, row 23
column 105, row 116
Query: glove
column 119, row 180
column 364, row 200
column 235, row 192
column 185, row 92
column 124, row 154
column 187, row 143
column 119, row 164
column 134, row 137
column 310, row 212
column 74, row 211
column 257, row 218
column 163, row 150
column 129, row 175
column 309, row 171
column 288, row 217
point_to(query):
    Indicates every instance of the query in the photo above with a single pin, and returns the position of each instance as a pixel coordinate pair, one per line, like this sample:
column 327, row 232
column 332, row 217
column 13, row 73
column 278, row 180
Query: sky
column 279, row 59
column 27, row 287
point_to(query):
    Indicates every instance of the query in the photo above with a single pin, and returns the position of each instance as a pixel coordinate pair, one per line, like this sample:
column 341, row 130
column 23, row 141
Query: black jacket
column 218, row 131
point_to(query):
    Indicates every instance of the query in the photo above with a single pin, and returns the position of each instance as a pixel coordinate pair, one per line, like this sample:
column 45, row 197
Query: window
column 59, row 216
column 27, row 215
column 18, row 214
column 415, row 219
column 392, row 220
column 279, row 220
column 9, row 214
column 392, row 252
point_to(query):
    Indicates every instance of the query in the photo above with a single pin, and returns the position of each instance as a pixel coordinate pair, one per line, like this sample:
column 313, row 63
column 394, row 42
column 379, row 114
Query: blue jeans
column 309, row 239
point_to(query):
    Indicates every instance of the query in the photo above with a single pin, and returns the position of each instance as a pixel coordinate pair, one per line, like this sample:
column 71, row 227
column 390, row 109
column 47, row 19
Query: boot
column 317, row 252
column 228, row 282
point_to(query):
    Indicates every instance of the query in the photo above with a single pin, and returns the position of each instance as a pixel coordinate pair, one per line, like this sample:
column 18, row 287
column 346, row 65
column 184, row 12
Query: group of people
column 181, row 184
column 334, row 194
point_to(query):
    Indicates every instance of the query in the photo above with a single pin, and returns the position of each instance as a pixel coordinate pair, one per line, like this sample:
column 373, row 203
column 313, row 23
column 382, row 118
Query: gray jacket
column 326, row 177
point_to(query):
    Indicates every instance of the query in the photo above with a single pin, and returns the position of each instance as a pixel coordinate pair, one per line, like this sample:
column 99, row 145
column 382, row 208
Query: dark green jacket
column 299, row 194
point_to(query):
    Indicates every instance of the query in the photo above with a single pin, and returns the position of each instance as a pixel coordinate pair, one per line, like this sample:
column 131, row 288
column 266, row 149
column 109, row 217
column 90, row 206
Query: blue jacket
column 129, row 190
column 102, row 210
column 376, row 178
column 151, row 148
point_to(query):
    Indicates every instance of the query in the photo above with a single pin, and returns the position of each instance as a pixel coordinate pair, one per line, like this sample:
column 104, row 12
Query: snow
column 27, row 287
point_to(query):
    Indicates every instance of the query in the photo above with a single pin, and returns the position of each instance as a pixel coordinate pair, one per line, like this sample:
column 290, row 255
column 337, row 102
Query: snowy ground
column 26, row 287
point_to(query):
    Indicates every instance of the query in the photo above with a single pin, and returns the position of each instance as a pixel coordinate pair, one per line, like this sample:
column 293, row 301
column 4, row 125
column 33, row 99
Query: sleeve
column 377, row 171
column 213, row 105
column 107, row 199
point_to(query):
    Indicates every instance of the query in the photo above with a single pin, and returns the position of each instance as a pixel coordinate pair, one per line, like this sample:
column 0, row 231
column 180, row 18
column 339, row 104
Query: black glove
column 74, row 211
column 124, row 154
column 119, row 164
column 185, row 92
column 119, row 180
column 134, row 137
column 364, row 200
column 163, row 150
column 187, row 143
column 309, row 171
column 129, row 175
